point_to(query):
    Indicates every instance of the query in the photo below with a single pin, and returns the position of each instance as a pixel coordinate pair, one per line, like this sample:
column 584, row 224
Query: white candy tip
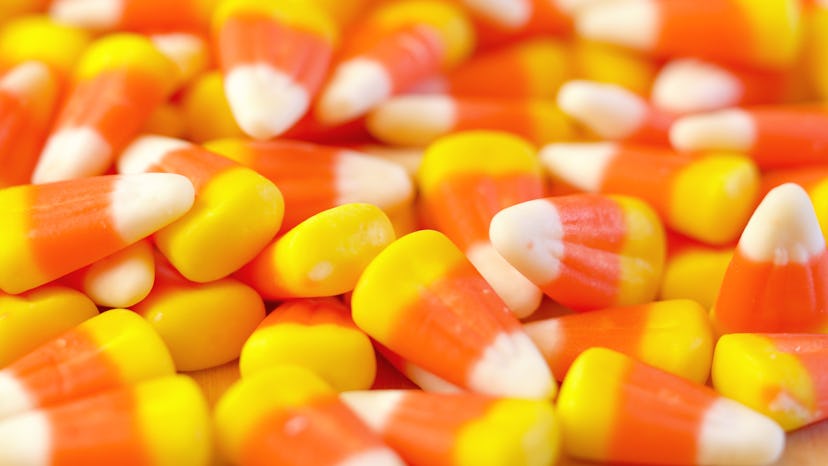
column 92, row 14
column 580, row 164
column 265, row 101
column 29, row 78
column 631, row 23
column 412, row 121
column 608, row 110
column 519, row 294
column 144, row 203
column 509, row 13
column 14, row 397
column 374, row 407
column 783, row 228
column 25, row 439
column 363, row 178
column 374, row 457
column 356, row 87
column 733, row 434
column 72, row 153
column 731, row 130
column 512, row 366
column 690, row 86
column 146, row 152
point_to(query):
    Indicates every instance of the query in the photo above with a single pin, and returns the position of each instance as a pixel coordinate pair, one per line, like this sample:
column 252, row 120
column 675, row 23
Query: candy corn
column 611, row 64
column 235, row 207
column 39, row 38
column 779, row 375
column 813, row 178
column 615, row 409
column 585, row 251
column 317, row 334
column 118, row 82
column 160, row 422
column 274, row 55
column 775, row 137
column 417, row 375
column 465, row 179
column 288, row 416
column 50, row 230
column 207, row 114
column 419, row 120
column 764, row 35
column 460, row 429
column 399, row 44
column 707, row 198
column 110, row 350
column 422, row 299
column 674, row 336
column 313, row 178
column 322, row 256
column 777, row 280
column 133, row 14
column 32, row 318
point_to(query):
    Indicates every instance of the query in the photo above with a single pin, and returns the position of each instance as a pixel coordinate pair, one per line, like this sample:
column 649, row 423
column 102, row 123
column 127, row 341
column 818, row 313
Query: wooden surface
column 805, row 447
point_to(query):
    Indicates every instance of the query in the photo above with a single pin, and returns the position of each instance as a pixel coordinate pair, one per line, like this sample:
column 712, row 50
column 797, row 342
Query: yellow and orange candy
column 422, row 298
column 317, row 334
column 586, row 251
column 110, row 350
column 118, row 82
column 134, row 15
column 693, row 270
column 160, row 422
column 777, row 280
column 49, row 230
column 287, row 416
column 674, row 336
column 465, row 179
column 708, row 198
column 274, row 56
column 779, row 375
column 460, row 429
column 613, row 408
column 205, row 110
column 236, row 213
column 39, row 38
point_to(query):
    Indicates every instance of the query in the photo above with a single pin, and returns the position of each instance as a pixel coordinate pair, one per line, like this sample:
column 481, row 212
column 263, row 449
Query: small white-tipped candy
column 414, row 120
column 357, row 86
column 735, row 435
column 92, row 14
column 529, row 235
column 546, row 334
column 512, row 366
column 690, row 86
column 381, row 456
column 146, row 202
column 510, row 13
column 630, row 23
column 29, row 78
column 731, row 129
column 265, row 102
column 25, row 440
column 122, row 279
column 783, row 228
column 187, row 51
column 610, row 111
column 146, row 152
column 521, row 296
column 14, row 397
column 374, row 407
column 72, row 153
column 362, row 178
column 580, row 164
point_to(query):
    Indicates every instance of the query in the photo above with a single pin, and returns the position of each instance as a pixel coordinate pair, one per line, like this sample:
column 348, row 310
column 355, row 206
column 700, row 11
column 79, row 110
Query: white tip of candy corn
column 26, row 440
column 92, row 14
column 29, row 78
column 374, row 407
column 362, row 178
column 733, row 434
column 357, row 86
column 731, row 129
column 689, row 86
column 72, row 153
column 13, row 396
column 146, row 152
column 572, row 6
column 580, row 164
column 547, row 335
column 783, row 228
column 414, row 120
column 529, row 236
column 382, row 456
column 510, row 13
column 610, row 111
column 265, row 101
column 512, row 366
column 146, row 202
column 630, row 23
column 521, row 296
column 429, row 381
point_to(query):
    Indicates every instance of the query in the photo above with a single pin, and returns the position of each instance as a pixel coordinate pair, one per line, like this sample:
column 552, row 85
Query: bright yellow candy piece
column 204, row 325
column 606, row 63
column 779, row 375
column 207, row 114
column 322, row 256
column 34, row 317
column 39, row 38
column 817, row 48
column 317, row 334
column 298, row 13
column 695, row 274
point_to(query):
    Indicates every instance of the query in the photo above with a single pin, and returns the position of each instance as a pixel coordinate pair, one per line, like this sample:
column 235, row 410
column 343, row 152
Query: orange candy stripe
column 69, row 366
column 21, row 138
column 310, row 311
column 789, row 137
column 510, row 116
column 197, row 164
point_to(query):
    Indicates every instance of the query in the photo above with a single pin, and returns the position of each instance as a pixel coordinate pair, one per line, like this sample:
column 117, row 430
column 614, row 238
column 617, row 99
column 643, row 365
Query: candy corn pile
column 425, row 232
